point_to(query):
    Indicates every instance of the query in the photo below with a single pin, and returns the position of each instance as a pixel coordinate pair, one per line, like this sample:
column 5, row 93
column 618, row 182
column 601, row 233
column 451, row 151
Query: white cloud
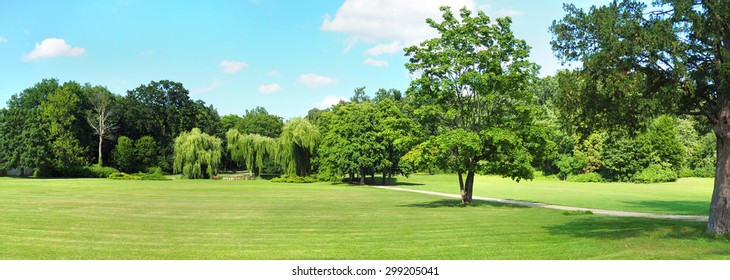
column 315, row 81
column 230, row 66
column 214, row 84
column 375, row 62
column 266, row 89
column 386, row 21
column 390, row 48
column 3, row 39
column 501, row 12
column 329, row 101
column 273, row 73
column 53, row 47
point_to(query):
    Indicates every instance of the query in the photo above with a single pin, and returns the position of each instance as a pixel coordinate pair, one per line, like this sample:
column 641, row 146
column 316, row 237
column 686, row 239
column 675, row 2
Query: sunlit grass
column 689, row 196
column 206, row 219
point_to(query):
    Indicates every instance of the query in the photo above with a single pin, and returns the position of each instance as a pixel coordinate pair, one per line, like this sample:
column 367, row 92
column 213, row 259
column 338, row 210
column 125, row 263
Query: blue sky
column 287, row 56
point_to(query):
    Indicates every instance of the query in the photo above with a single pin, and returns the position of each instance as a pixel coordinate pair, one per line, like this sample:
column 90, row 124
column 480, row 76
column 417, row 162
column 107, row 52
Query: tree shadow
column 453, row 203
column 605, row 227
column 674, row 207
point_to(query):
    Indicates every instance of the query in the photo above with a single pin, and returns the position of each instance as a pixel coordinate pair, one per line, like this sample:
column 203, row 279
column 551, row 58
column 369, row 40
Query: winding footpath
column 558, row 207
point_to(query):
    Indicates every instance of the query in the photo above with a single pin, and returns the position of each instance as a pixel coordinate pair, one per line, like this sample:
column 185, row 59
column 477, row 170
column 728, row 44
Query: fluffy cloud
column 230, row 66
column 388, row 21
column 375, row 62
column 214, row 84
column 53, row 47
column 329, row 101
column 316, row 81
column 266, row 89
column 390, row 48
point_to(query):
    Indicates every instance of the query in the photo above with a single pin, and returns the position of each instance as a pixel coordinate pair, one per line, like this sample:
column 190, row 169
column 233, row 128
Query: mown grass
column 688, row 196
column 205, row 219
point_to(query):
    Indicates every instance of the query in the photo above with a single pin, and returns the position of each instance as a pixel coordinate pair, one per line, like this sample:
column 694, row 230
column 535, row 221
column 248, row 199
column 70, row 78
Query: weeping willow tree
column 296, row 146
column 197, row 155
column 251, row 149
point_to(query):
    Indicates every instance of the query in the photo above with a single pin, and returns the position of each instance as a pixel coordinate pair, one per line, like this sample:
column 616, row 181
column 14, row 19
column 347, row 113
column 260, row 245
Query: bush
column 591, row 177
column 294, row 179
column 96, row 171
column 655, row 173
column 123, row 176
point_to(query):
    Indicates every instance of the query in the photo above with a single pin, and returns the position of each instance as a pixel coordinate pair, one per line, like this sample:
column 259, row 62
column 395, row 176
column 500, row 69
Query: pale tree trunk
column 719, row 220
column 101, row 138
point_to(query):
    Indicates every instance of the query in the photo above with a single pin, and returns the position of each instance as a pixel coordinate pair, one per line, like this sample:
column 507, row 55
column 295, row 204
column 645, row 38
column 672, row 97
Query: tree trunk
column 385, row 181
column 362, row 176
column 101, row 138
column 468, row 189
column 372, row 178
column 719, row 220
column 352, row 178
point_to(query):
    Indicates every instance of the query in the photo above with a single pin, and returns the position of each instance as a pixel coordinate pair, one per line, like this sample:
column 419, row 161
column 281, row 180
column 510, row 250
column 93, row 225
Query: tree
column 123, row 155
column 477, row 74
column 259, row 121
column 146, row 152
column 640, row 63
column 196, row 155
column 297, row 146
column 253, row 150
column 100, row 117
column 350, row 144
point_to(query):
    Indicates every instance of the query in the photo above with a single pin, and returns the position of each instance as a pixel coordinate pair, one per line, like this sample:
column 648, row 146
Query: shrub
column 123, row 176
column 591, row 177
column 293, row 179
column 655, row 173
column 96, row 171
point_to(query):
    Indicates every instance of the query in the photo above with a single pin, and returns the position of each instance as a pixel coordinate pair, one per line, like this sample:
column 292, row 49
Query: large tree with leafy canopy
column 253, row 150
column 638, row 62
column 477, row 74
column 197, row 154
column 297, row 145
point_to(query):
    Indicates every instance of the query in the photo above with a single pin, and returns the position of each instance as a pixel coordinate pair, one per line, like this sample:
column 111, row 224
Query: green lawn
column 689, row 196
column 196, row 219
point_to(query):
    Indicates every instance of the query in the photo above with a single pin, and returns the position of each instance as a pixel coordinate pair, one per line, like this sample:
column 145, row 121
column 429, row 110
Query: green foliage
column 623, row 156
column 296, row 147
column 662, row 141
column 294, row 179
column 577, row 213
column 96, row 171
column 655, row 173
column 122, row 176
column 146, row 152
column 253, row 150
column 474, row 81
column 591, row 177
column 196, row 154
column 259, row 121
column 589, row 151
column 350, row 144
column 123, row 155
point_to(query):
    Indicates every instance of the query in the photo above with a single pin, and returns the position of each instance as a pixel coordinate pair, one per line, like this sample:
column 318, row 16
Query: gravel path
column 558, row 207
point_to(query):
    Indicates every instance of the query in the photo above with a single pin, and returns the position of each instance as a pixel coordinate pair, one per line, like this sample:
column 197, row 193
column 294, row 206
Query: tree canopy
column 638, row 63
column 476, row 75
column 197, row 154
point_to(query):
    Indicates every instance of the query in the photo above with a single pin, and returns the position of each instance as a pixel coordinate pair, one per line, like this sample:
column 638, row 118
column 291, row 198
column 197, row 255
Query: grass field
column 205, row 219
column 689, row 196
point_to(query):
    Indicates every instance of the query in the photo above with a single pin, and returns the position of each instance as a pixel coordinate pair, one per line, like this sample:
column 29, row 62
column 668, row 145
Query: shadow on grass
column 674, row 207
column 451, row 203
column 603, row 227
